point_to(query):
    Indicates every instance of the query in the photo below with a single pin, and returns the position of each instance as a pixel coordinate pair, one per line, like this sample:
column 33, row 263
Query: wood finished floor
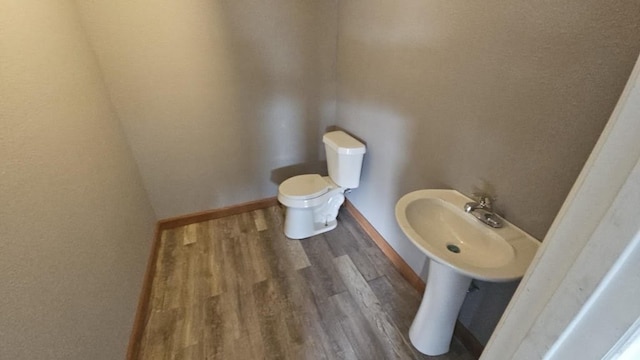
column 236, row 288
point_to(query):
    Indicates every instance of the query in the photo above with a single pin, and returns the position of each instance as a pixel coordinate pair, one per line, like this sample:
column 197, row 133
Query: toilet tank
column 344, row 158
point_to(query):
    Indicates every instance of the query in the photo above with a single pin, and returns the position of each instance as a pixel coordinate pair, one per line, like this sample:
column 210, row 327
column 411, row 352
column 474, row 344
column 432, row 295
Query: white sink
column 460, row 248
column 433, row 219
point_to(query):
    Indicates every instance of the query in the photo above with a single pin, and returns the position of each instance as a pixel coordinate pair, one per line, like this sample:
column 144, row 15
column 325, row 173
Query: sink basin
column 460, row 248
column 435, row 219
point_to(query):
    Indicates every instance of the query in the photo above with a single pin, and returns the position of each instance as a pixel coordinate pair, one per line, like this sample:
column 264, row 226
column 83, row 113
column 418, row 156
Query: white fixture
column 460, row 248
column 312, row 200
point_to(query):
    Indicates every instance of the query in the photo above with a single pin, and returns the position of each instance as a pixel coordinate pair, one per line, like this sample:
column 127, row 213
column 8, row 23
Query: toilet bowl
column 312, row 201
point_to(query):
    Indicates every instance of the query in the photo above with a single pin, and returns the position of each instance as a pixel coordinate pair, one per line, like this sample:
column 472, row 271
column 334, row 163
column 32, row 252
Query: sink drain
column 453, row 248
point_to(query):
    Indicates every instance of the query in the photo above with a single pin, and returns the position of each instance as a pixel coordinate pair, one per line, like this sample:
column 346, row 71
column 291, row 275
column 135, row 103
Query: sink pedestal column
column 432, row 328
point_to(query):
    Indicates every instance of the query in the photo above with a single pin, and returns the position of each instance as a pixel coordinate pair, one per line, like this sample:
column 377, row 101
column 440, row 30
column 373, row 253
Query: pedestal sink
column 460, row 248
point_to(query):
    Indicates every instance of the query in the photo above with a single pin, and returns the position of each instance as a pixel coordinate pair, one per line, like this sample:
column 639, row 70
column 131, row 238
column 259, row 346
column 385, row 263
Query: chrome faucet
column 483, row 201
column 482, row 209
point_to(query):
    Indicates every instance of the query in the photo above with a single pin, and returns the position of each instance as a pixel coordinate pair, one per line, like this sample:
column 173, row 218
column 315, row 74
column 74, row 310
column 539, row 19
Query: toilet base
column 300, row 224
column 306, row 221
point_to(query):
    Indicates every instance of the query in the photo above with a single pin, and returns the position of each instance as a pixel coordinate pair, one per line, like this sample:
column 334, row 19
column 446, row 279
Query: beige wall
column 508, row 97
column 215, row 95
column 221, row 100
column 75, row 222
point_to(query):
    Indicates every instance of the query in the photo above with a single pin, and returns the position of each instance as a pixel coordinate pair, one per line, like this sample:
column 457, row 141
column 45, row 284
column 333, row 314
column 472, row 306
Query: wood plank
column 244, row 223
column 353, row 226
column 259, row 220
column 174, row 270
column 307, row 337
column 386, row 331
column 296, row 253
column 271, row 323
column 158, row 288
column 386, row 268
column 401, row 306
column 322, row 265
column 251, row 337
column 342, row 242
column 214, row 330
column 277, row 266
column 229, row 288
column 357, row 329
column 326, row 313
column 191, row 302
column 157, row 340
column 234, row 279
column 176, row 341
column 391, row 254
column 214, row 259
column 189, row 234
column 256, row 259
column 292, row 248
column 193, row 352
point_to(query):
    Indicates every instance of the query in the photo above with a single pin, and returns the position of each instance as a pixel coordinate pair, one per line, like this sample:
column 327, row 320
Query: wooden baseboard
column 183, row 220
column 142, row 311
column 468, row 340
column 398, row 262
column 460, row 331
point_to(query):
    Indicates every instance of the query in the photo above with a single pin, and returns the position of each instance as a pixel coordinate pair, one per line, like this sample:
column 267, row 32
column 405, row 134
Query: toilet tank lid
column 343, row 143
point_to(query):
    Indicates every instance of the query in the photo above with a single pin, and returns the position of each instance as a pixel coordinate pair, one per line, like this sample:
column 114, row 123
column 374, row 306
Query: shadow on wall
column 313, row 167
column 310, row 167
column 285, row 85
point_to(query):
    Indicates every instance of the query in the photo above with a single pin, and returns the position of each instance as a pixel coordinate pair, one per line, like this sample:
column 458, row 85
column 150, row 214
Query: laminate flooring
column 237, row 288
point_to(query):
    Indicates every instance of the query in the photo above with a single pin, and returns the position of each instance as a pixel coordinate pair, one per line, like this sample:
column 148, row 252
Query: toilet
column 312, row 201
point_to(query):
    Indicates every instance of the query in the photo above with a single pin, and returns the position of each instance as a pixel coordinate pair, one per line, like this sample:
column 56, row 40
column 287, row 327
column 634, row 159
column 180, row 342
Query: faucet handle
column 485, row 200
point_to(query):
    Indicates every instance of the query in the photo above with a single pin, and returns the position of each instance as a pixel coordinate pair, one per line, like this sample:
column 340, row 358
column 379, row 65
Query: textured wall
column 75, row 222
column 216, row 95
column 222, row 99
column 508, row 97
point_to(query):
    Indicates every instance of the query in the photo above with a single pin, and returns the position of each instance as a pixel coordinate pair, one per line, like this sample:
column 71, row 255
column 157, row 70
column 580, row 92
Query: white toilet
column 312, row 200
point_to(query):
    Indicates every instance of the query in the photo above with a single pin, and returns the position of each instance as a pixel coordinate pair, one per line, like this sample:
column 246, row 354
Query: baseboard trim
column 468, row 340
column 398, row 262
column 460, row 331
column 193, row 218
column 142, row 310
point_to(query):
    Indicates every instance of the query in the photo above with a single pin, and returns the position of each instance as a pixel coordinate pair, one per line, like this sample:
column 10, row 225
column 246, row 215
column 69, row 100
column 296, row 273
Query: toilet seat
column 305, row 191
column 304, row 187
